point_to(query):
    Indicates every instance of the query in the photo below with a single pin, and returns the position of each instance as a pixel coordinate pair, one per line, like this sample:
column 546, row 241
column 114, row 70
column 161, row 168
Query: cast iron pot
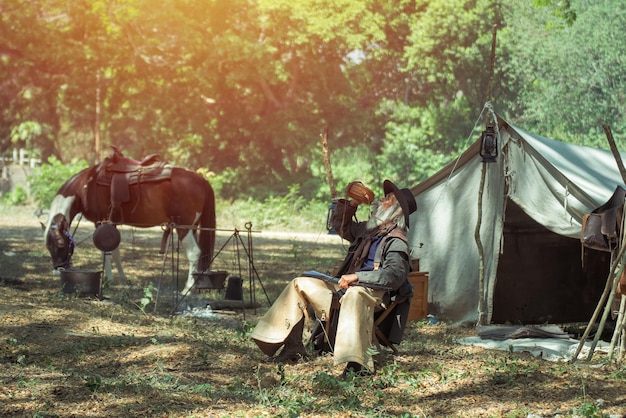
column 83, row 282
column 106, row 237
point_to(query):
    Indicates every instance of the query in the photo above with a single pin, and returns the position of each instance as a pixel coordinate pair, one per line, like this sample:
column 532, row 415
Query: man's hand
column 347, row 279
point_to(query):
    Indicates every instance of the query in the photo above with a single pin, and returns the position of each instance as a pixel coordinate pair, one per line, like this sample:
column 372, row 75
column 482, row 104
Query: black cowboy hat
column 405, row 198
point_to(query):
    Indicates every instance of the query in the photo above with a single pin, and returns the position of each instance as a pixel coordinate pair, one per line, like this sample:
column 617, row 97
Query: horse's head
column 59, row 242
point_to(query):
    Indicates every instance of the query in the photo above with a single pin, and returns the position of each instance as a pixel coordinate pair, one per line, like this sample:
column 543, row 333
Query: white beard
column 381, row 214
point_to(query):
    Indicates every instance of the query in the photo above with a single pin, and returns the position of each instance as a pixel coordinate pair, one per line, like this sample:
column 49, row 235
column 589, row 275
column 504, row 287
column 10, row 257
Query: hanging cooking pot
column 106, row 238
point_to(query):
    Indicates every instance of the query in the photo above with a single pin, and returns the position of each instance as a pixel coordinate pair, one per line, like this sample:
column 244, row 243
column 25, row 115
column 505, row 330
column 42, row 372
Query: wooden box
column 419, row 301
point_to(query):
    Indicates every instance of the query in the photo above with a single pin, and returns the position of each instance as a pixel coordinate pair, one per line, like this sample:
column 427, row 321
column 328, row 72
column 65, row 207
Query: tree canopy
column 242, row 89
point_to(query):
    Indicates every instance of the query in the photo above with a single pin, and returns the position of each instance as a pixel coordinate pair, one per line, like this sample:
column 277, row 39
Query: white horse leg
column 108, row 271
column 114, row 257
column 117, row 258
column 193, row 255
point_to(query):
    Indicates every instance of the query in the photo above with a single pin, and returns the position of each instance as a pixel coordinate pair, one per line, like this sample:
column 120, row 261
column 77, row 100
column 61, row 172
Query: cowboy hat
column 405, row 199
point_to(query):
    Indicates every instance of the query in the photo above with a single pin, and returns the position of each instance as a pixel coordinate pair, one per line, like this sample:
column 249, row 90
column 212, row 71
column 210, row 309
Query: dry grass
column 62, row 356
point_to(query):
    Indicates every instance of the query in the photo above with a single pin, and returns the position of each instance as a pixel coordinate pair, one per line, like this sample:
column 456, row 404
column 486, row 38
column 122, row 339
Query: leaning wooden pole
column 619, row 328
column 615, row 151
column 609, row 291
column 605, row 293
column 619, row 325
column 607, row 310
column 622, row 350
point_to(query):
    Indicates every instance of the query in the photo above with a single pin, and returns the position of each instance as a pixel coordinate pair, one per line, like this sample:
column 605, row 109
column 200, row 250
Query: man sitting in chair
column 378, row 256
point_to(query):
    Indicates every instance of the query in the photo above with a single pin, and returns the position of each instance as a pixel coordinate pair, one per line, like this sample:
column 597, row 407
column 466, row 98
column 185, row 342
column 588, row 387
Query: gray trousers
column 355, row 323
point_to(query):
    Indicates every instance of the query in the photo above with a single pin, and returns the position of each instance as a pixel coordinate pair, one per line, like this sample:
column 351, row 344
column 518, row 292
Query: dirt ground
column 133, row 354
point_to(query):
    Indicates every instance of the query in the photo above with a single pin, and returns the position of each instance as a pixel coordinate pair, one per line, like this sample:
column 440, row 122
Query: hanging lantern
column 489, row 145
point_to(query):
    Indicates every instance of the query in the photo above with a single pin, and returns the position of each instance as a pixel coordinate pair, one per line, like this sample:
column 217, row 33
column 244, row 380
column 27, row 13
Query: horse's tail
column 206, row 239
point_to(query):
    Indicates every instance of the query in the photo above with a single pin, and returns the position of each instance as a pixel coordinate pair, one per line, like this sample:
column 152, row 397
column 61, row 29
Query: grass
column 64, row 356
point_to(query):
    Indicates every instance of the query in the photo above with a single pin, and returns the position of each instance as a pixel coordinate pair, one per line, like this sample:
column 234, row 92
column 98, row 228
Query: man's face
column 384, row 210
column 388, row 201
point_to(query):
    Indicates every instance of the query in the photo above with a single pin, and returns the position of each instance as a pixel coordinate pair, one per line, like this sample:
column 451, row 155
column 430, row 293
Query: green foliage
column 93, row 382
column 291, row 211
column 415, row 147
column 242, row 88
column 46, row 180
column 590, row 409
column 148, row 296
column 568, row 89
column 17, row 197
column 348, row 164
column 25, row 132
column 562, row 10
column 508, row 370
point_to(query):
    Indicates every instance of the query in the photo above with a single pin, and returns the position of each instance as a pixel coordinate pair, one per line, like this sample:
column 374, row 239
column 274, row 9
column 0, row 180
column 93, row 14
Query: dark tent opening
column 541, row 276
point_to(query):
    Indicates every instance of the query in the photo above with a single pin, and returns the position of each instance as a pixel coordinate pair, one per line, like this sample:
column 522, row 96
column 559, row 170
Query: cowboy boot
column 354, row 369
column 293, row 349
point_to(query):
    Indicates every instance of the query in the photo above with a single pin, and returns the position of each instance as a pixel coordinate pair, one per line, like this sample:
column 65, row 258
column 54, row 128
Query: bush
column 45, row 181
column 285, row 213
column 274, row 213
column 18, row 196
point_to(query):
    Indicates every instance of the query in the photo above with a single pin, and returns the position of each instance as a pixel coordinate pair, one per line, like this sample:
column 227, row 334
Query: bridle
column 70, row 246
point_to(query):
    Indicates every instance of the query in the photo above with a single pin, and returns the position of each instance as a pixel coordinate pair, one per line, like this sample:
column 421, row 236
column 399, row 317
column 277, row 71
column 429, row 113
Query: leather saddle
column 601, row 229
column 119, row 173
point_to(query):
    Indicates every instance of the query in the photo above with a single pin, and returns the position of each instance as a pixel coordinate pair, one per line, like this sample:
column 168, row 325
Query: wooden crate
column 419, row 301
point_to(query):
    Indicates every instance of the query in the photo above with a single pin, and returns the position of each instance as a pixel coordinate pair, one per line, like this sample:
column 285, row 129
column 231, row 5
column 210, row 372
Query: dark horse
column 141, row 194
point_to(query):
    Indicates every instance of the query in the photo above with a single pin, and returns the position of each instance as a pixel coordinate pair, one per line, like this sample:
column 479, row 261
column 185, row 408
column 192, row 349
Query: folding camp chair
column 390, row 320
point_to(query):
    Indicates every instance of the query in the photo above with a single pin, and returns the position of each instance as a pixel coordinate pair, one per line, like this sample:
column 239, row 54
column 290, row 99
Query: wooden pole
column 616, row 154
column 620, row 318
column 619, row 324
column 492, row 61
column 482, row 303
column 622, row 350
column 609, row 290
column 96, row 128
column 605, row 293
column 605, row 314
column 329, row 170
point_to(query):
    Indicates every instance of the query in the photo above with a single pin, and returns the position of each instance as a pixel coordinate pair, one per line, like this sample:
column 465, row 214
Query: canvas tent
column 533, row 201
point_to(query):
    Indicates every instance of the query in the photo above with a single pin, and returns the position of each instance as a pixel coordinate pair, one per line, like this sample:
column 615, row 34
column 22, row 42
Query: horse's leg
column 117, row 258
column 193, row 255
column 108, row 271
column 114, row 256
